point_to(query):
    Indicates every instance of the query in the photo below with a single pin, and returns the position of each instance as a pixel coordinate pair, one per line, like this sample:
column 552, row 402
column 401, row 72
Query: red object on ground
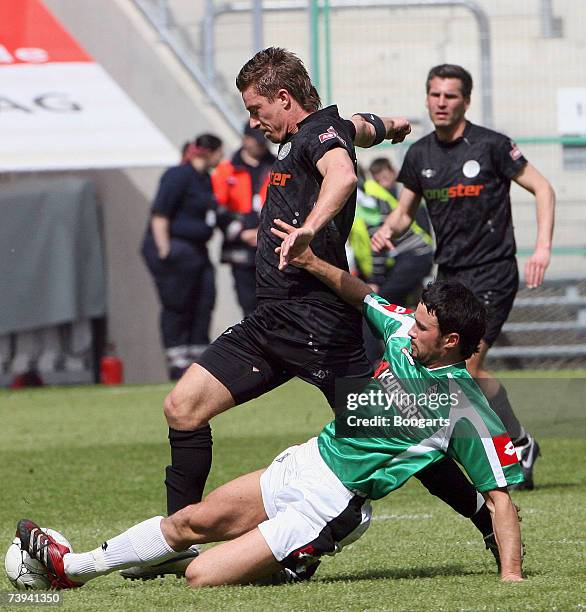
column 28, row 379
column 111, row 370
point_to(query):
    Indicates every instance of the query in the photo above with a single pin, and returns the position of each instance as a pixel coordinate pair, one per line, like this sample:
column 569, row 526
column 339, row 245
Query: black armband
column 379, row 127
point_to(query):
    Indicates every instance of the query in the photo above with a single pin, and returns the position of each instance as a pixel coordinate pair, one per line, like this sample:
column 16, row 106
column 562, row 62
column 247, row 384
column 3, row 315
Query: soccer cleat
column 490, row 543
column 47, row 551
column 289, row 576
column 175, row 565
column 284, row 576
column 527, row 454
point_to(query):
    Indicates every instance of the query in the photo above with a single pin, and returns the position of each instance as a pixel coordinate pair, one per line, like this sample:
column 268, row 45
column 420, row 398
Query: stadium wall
column 130, row 51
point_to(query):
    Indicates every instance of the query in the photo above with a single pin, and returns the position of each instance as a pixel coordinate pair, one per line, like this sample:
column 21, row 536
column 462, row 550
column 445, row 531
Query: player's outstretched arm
column 398, row 222
column 339, row 181
column 348, row 287
column 534, row 182
column 372, row 129
column 507, row 532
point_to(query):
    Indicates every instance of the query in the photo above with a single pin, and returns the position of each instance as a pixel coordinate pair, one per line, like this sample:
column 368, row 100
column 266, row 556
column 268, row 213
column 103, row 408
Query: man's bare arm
column 351, row 289
column 398, row 222
column 397, row 129
column 507, row 533
column 339, row 181
column 534, row 182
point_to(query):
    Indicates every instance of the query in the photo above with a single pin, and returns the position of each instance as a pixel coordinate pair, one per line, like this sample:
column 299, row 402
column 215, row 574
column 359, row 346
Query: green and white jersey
column 409, row 416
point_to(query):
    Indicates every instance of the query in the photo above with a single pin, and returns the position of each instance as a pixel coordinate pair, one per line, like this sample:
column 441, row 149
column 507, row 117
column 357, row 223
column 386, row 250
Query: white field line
column 401, row 517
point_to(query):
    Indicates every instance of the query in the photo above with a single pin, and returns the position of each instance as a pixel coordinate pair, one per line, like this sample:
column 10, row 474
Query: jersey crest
column 284, row 151
column 471, row 168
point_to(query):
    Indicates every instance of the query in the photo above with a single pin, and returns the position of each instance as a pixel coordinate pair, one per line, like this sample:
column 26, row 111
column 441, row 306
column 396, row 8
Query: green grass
column 89, row 462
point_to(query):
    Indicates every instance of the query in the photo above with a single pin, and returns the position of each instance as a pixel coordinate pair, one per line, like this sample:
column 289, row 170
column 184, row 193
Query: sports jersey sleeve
column 323, row 138
column 507, row 157
column 409, row 173
column 480, row 443
column 386, row 320
column 171, row 190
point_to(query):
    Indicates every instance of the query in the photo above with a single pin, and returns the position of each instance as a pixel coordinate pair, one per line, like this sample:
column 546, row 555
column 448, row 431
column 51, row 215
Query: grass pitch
column 90, row 462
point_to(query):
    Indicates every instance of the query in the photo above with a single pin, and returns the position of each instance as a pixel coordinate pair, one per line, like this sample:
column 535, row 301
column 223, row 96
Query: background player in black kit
column 300, row 327
column 464, row 172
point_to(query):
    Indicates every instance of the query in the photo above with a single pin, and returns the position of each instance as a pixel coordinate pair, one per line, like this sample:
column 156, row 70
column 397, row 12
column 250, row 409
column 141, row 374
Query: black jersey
column 466, row 186
column 294, row 186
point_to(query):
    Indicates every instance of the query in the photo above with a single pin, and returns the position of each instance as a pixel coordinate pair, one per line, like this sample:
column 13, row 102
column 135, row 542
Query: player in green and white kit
column 421, row 406
column 415, row 414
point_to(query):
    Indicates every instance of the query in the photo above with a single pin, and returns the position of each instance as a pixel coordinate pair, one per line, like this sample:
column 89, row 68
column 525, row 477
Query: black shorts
column 316, row 340
column 495, row 284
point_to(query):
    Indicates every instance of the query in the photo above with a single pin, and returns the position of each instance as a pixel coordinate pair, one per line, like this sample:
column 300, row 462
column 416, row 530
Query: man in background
column 464, row 173
column 240, row 185
column 175, row 251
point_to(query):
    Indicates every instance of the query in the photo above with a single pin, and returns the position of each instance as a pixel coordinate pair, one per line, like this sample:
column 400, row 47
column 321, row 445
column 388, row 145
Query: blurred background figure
column 412, row 256
column 398, row 274
column 182, row 221
column 240, row 185
column 383, row 172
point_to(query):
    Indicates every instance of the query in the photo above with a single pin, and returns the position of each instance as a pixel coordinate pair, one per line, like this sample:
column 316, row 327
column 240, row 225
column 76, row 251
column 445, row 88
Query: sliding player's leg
column 244, row 560
column 232, row 510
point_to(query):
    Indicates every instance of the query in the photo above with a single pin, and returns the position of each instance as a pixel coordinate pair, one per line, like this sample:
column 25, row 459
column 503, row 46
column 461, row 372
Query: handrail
column 192, row 68
column 292, row 5
column 547, row 350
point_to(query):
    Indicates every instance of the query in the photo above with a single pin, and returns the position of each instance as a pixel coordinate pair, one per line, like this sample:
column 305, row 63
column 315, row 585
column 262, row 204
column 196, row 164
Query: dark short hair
column 185, row 147
column 275, row 68
column 452, row 71
column 208, row 141
column 379, row 164
column 457, row 310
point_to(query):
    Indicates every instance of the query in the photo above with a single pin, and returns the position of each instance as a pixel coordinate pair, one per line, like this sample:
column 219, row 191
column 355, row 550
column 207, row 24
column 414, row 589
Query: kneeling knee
column 197, row 577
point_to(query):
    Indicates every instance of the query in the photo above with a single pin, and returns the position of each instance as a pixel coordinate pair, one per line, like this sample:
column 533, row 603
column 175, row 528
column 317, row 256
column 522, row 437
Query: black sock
column 483, row 521
column 447, row 481
column 501, row 405
column 191, row 460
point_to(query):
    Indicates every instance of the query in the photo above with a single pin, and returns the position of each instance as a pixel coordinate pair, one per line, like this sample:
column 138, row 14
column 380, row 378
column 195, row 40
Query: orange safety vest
column 232, row 187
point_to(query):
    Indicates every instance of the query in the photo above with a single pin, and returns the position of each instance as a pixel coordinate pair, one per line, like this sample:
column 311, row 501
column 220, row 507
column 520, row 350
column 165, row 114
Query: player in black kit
column 300, row 327
column 464, row 173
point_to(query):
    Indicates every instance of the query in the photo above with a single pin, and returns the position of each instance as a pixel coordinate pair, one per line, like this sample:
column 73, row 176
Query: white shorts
column 311, row 513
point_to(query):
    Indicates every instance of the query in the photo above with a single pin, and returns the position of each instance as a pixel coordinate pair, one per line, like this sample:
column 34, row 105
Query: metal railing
column 159, row 19
column 571, row 300
column 314, row 7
